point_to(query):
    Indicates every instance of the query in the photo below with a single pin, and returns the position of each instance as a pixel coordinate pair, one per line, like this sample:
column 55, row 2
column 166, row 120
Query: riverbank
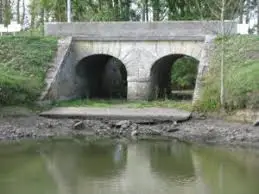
column 24, row 62
column 198, row 129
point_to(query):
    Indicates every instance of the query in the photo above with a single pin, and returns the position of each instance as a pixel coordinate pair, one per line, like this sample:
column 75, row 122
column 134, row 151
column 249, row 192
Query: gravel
column 202, row 131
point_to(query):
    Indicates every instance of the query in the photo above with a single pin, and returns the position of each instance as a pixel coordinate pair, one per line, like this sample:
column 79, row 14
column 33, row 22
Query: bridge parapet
column 171, row 30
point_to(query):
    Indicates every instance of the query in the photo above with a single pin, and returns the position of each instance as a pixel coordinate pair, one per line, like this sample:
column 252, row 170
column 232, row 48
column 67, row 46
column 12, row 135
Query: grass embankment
column 23, row 65
column 241, row 75
column 185, row 105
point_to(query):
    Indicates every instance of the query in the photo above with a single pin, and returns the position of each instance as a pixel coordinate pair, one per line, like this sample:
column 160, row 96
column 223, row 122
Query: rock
column 134, row 127
column 256, row 123
column 155, row 132
column 134, row 133
column 172, row 130
column 49, row 125
column 78, row 125
column 122, row 124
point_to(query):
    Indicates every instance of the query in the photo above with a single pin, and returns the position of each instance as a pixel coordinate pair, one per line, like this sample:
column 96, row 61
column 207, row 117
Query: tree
column 1, row 11
column 7, row 12
column 23, row 12
column 257, row 17
column 18, row 11
column 222, row 10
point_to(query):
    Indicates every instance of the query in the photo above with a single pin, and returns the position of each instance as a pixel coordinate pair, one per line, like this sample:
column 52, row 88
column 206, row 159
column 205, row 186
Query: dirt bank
column 196, row 130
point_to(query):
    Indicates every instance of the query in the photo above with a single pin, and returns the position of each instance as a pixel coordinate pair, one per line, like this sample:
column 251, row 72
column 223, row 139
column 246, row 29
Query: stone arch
column 160, row 75
column 101, row 76
column 83, row 49
column 192, row 49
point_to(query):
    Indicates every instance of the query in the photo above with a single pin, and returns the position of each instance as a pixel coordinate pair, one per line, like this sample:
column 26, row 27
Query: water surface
column 148, row 167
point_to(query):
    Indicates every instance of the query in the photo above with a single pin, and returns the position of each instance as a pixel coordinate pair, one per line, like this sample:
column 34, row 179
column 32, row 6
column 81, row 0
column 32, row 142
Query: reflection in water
column 172, row 161
column 66, row 167
column 228, row 172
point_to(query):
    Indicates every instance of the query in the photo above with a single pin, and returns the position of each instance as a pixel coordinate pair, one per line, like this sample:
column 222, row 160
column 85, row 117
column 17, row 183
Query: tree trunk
column 248, row 11
column 156, row 10
column 18, row 11
column 1, row 11
column 7, row 13
column 146, row 10
column 23, row 12
column 116, row 10
column 222, row 92
column 170, row 9
column 241, row 13
column 258, row 17
column 127, row 10
column 143, row 10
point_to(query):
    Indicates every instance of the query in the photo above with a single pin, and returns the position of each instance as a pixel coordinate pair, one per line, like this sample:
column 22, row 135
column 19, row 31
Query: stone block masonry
column 137, row 45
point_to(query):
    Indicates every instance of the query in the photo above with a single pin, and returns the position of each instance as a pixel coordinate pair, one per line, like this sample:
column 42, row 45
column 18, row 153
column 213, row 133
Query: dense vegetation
column 184, row 73
column 125, row 10
column 241, row 73
column 23, row 65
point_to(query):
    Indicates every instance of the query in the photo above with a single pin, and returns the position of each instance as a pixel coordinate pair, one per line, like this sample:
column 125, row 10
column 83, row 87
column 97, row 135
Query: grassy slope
column 241, row 75
column 23, row 65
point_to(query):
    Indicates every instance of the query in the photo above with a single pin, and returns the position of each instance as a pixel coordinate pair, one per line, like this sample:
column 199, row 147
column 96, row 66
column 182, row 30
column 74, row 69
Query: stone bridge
column 136, row 56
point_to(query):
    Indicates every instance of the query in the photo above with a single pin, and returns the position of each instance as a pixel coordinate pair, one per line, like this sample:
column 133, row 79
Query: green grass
column 241, row 75
column 23, row 65
column 184, row 105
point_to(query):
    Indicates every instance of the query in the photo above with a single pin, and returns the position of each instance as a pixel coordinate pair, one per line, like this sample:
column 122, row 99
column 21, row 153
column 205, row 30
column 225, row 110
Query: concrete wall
column 138, row 58
column 137, row 45
column 171, row 30
column 61, row 80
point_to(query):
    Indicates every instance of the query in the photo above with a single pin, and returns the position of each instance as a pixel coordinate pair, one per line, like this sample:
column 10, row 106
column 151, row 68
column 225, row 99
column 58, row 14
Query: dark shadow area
column 173, row 77
column 102, row 76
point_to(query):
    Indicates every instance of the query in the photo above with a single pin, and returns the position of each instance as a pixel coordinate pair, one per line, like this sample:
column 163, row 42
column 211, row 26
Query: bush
column 23, row 65
column 241, row 74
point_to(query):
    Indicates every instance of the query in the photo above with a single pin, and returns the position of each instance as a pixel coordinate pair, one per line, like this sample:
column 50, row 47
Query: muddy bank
column 196, row 130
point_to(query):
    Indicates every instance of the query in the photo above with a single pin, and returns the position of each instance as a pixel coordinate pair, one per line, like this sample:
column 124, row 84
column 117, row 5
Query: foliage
column 23, row 65
column 184, row 73
column 241, row 75
column 131, row 10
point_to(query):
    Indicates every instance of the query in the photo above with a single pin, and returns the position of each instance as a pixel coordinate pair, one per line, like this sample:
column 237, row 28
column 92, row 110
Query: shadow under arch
column 102, row 76
column 161, row 76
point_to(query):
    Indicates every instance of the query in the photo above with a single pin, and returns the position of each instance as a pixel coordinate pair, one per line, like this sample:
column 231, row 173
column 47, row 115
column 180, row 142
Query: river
column 110, row 167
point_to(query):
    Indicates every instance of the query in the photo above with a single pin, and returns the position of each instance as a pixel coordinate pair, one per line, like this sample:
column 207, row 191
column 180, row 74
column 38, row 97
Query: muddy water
column 76, row 167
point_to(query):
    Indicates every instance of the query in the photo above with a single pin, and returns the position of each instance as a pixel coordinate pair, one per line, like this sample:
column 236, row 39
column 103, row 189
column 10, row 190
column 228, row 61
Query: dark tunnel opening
column 173, row 77
column 102, row 77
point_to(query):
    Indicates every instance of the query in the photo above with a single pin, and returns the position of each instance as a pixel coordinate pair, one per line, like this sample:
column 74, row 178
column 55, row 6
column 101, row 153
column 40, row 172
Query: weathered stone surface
column 168, row 30
column 162, row 114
